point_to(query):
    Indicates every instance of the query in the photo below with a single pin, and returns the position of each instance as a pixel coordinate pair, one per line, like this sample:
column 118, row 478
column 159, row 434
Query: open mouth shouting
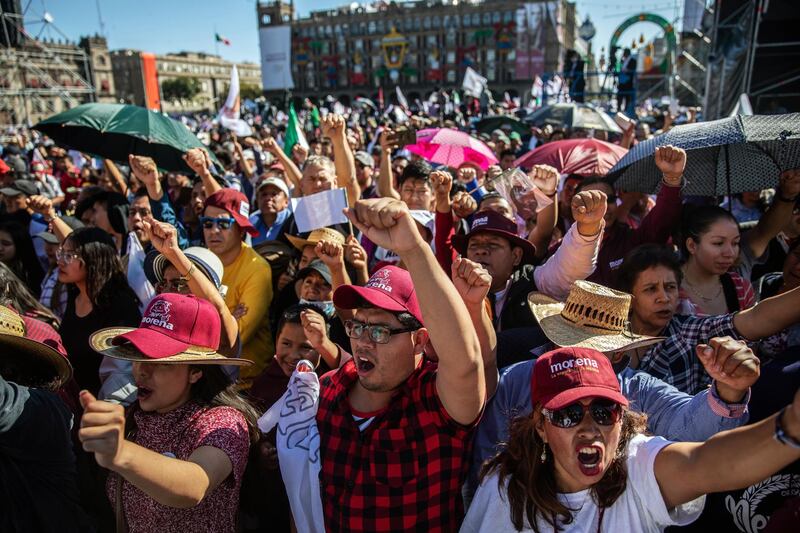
column 364, row 365
column 143, row 393
column 590, row 459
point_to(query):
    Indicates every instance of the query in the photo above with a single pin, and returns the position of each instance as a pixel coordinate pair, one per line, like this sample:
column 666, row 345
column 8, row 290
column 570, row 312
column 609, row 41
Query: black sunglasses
column 221, row 222
column 604, row 412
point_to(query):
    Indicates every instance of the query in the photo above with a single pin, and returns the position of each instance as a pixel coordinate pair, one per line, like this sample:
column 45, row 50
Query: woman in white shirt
column 565, row 471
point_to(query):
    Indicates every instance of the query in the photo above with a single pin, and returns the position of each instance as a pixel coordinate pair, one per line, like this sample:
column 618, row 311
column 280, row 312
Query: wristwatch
column 781, row 435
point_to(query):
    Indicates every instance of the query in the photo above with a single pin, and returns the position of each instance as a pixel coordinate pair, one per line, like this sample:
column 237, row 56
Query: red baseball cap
column 389, row 288
column 496, row 224
column 171, row 324
column 566, row 375
column 236, row 205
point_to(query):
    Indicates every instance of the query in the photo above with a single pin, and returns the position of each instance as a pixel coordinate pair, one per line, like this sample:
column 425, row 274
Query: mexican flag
column 220, row 39
column 294, row 133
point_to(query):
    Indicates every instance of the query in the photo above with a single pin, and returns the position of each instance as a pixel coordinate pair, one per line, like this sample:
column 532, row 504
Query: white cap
column 277, row 182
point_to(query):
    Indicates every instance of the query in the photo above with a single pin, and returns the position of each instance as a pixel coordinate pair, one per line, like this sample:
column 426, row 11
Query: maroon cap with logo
column 494, row 223
column 389, row 288
column 566, row 375
column 172, row 323
column 236, row 205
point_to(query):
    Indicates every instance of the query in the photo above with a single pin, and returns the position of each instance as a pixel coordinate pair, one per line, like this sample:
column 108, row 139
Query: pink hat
column 389, row 288
column 236, row 205
column 175, row 329
column 566, row 375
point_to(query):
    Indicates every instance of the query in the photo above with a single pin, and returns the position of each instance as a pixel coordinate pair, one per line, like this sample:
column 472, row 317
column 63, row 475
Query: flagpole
column 347, row 203
column 216, row 42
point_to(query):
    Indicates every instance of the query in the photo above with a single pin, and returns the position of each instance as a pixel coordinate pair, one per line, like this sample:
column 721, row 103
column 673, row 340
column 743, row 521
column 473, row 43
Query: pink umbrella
column 585, row 157
column 451, row 148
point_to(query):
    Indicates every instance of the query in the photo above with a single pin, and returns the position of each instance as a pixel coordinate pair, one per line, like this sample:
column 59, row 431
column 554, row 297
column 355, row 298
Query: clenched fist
column 588, row 210
column 732, row 364
column 197, row 159
column 471, row 280
column 545, row 178
column 671, row 161
column 386, row 222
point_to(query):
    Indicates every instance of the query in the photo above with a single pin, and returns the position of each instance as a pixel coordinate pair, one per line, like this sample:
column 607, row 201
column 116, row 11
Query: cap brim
column 8, row 191
column 103, row 342
column 46, row 236
column 37, row 361
column 351, row 296
column 307, row 270
column 528, row 249
column 572, row 395
column 564, row 333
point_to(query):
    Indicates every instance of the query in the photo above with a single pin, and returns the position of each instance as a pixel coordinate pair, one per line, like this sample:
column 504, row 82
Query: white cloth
column 298, row 448
column 640, row 508
column 135, row 275
column 575, row 259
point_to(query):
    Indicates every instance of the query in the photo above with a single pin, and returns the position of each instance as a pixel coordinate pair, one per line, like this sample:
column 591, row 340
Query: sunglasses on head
column 222, row 222
column 604, row 412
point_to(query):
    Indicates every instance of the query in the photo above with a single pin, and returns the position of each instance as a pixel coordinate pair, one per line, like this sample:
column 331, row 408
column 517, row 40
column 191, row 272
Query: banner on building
column 276, row 58
column 152, row 93
column 535, row 23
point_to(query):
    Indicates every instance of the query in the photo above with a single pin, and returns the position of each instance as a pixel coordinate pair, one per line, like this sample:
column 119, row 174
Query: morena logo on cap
column 244, row 209
column 380, row 280
column 159, row 315
column 569, row 364
column 479, row 222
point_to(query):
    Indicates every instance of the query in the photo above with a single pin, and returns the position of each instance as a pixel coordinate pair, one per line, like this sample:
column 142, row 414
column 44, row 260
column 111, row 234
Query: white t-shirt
column 639, row 508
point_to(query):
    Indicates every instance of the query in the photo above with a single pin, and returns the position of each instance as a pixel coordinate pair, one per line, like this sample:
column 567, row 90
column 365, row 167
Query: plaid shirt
column 675, row 361
column 404, row 471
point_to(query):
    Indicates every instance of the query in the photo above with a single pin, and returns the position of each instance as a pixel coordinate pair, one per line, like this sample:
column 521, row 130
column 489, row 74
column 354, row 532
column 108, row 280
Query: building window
column 372, row 26
column 432, row 40
column 476, row 19
column 451, row 76
column 496, row 17
column 266, row 19
column 467, row 21
column 426, row 23
column 508, row 16
column 487, row 18
column 451, row 58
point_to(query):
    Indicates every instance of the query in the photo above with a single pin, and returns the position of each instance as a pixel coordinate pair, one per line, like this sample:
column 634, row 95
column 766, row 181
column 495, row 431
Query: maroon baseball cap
column 566, row 375
column 173, row 323
column 487, row 221
column 389, row 288
column 236, row 205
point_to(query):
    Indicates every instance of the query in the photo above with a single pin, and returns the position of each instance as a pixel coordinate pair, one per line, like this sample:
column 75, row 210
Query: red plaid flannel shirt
column 405, row 471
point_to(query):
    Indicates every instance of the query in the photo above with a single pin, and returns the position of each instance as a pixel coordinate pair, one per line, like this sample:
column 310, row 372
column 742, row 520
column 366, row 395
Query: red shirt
column 404, row 471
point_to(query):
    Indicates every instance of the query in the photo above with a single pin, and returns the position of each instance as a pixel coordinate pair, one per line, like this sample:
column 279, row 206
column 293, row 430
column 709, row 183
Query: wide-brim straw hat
column 36, row 363
column 593, row 316
column 103, row 342
column 319, row 234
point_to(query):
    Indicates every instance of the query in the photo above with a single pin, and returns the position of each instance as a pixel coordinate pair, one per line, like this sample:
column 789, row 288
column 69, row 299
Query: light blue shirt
column 268, row 233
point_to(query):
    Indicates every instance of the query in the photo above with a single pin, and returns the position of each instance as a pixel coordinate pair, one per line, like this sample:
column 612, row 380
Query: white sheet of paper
column 319, row 210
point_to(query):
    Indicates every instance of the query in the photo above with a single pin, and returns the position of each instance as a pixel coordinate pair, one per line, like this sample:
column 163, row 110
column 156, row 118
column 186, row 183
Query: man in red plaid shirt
column 395, row 428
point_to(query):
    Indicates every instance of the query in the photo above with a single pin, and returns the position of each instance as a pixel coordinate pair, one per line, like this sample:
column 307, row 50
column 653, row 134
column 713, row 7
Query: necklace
column 702, row 296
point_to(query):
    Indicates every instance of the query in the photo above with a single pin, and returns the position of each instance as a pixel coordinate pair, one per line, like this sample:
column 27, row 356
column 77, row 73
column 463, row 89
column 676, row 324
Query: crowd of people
column 602, row 361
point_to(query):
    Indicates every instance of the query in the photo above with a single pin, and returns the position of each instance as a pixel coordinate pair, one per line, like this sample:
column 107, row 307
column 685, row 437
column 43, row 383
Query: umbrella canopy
column 502, row 122
column 451, row 148
column 584, row 157
column 114, row 131
column 727, row 156
column 572, row 116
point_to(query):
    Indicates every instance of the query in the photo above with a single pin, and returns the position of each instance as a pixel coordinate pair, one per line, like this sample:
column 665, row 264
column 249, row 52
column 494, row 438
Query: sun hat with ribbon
column 593, row 316
column 33, row 350
column 175, row 328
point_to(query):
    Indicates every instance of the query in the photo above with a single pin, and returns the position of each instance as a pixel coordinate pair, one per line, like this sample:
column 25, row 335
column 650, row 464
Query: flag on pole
column 229, row 116
column 401, row 98
column 474, row 84
column 315, row 118
column 380, row 98
column 319, row 210
column 294, row 133
column 537, row 90
column 220, row 39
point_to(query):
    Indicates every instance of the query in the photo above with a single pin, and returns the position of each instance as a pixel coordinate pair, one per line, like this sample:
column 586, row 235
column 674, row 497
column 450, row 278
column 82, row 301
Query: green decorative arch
column 669, row 32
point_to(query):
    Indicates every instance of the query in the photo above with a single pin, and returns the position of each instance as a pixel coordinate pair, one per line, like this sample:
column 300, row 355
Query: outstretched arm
column 200, row 163
column 769, row 316
column 334, row 127
column 460, row 381
column 385, row 187
column 546, row 179
column 778, row 214
column 292, row 172
column 728, row 460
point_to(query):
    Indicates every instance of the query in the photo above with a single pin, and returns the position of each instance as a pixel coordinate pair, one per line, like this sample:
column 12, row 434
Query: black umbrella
column 572, row 116
column 726, row 156
column 501, row 122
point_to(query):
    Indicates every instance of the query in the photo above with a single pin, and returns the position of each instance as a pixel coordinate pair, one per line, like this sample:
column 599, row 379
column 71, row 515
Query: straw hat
column 38, row 364
column 321, row 234
column 593, row 316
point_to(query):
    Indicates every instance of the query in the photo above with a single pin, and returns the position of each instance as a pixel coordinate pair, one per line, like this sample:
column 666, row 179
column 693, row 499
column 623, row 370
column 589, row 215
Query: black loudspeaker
column 10, row 20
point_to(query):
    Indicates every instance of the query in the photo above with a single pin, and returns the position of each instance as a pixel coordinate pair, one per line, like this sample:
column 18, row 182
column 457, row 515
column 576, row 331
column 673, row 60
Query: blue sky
column 162, row 26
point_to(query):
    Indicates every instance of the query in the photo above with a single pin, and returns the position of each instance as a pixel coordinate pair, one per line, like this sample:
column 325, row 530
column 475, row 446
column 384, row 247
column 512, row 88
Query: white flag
column 401, row 98
column 474, row 84
column 319, row 210
column 229, row 115
column 136, row 276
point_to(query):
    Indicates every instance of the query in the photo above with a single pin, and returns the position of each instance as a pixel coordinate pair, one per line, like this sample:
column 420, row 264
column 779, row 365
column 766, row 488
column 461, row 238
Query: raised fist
column 545, row 178
column 588, row 210
column 671, row 161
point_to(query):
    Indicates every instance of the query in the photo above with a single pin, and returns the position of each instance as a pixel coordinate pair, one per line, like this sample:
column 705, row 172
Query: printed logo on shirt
column 772, row 494
column 244, row 209
column 159, row 315
column 569, row 364
column 380, row 280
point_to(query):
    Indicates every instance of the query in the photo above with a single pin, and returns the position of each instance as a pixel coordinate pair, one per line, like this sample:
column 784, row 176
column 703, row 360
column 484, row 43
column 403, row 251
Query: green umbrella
column 502, row 122
column 113, row 131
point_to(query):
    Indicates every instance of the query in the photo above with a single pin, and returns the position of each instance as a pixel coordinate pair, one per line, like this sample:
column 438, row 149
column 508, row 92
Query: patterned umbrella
column 451, row 148
column 726, row 156
column 584, row 157
column 572, row 116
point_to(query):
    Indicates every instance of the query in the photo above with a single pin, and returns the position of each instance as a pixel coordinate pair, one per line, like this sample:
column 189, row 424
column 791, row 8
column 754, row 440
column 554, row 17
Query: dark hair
column 532, row 490
column 696, row 220
column 105, row 281
column 415, row 170
column 25, row 263
column 591, row 180
column 13, row 293
column 643, row 257
column 405, row 318
column 215, row 389
column 292, row 316
column 508, row 152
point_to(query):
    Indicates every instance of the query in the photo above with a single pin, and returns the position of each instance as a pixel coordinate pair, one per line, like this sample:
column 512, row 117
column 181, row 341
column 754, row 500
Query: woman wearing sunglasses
column 580, row 462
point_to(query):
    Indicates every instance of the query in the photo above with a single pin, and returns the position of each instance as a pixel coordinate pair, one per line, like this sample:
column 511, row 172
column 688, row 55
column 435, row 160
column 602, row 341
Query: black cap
column 25, row 187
